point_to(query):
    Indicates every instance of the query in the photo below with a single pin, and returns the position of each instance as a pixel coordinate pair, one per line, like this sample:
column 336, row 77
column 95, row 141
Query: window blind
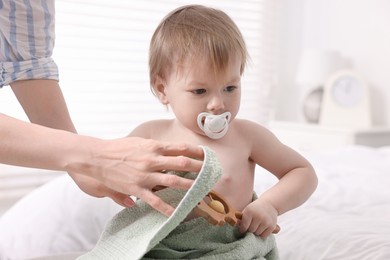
column 102, row 53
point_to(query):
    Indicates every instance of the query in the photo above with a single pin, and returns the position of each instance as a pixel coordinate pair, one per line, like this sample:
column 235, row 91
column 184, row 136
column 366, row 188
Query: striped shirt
column 26, row 40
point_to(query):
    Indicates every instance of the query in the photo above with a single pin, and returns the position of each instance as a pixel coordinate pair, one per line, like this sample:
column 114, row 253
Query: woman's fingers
column 192, row 151
column 121, row 199
column 97, row 189
column 134, row 166
column 171, row 181
column 156, row 202
column 181, row 157
column 157, row 181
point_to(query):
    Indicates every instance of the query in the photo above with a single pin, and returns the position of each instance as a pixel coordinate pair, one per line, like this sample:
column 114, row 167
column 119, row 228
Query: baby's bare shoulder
column 253, row 132
column 248, row 126
column 149, row 129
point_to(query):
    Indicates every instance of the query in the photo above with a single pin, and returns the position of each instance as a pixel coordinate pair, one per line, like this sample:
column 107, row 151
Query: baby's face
column 196, row 89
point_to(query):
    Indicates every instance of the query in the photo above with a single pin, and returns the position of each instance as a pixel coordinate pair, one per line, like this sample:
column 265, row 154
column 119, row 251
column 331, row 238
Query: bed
column 348, row 217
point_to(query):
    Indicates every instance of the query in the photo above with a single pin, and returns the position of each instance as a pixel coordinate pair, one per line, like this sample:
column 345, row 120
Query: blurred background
column 102, row 51
column 355, row 29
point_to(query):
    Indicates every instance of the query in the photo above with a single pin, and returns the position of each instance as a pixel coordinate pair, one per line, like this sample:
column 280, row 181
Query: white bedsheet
column 348, row 217
column 57, row 218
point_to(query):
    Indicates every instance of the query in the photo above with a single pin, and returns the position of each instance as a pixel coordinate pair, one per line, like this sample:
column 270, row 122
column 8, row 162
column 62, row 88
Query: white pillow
column 54, row 219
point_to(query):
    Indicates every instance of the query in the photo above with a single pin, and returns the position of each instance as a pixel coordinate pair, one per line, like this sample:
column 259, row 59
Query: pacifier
column 214, row 126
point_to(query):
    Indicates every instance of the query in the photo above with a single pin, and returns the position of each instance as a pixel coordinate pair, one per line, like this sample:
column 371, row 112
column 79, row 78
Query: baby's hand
column 259, row 217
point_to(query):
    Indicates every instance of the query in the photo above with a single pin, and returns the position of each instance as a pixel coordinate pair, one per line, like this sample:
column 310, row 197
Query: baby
column 197, row 57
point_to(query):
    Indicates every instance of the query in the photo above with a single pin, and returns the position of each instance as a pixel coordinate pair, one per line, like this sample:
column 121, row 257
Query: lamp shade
column 315, row 66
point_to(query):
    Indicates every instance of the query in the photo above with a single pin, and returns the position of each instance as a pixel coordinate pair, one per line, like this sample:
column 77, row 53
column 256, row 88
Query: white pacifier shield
column 214, row 126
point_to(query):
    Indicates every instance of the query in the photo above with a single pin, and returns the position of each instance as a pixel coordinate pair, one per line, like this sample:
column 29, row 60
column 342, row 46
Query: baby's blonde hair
column 192, row 32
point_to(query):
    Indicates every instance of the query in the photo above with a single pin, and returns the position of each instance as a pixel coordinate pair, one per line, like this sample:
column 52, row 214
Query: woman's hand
column 260, row 218
column 97, row 189
column 133, row 166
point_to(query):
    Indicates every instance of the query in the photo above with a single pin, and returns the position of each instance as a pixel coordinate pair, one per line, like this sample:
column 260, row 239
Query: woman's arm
column 43, row 103
column 131, row 166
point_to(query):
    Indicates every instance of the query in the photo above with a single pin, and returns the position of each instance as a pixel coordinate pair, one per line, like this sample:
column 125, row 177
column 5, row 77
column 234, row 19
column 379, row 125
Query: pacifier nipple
column 214, row 126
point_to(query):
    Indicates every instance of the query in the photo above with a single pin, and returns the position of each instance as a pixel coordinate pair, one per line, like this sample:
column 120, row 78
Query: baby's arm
column 297, row 181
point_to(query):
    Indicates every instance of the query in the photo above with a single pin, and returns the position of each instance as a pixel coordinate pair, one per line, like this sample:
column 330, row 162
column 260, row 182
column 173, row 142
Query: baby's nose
column 216, row 103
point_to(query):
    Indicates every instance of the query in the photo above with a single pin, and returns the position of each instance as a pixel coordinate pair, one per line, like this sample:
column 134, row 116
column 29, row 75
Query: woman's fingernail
column 128, row 202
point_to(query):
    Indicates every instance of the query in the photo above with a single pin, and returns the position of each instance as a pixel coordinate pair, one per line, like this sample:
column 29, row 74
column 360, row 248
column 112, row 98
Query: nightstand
column 303, row 136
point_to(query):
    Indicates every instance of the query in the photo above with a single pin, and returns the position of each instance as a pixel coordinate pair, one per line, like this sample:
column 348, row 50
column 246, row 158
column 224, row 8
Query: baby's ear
column 159, row 86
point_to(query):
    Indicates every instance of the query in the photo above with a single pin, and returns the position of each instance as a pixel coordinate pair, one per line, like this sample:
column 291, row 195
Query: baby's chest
column 235, row 162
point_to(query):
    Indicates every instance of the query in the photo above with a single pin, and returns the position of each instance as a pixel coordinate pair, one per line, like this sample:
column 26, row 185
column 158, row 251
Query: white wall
column 358, row 29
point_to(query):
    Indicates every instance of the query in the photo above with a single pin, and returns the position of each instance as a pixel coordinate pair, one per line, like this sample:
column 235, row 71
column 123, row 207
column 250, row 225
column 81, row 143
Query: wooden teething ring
column 216, row 218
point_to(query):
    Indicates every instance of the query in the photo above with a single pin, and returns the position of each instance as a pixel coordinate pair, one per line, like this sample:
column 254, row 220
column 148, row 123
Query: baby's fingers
column 268, row 231
column 244, row 224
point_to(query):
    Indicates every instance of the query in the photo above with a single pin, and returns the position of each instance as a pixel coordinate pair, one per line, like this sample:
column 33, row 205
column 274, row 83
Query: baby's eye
column 230, row 88
column 199, row 91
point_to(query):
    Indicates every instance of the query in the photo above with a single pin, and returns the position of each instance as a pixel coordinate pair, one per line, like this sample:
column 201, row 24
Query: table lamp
column 314, row 67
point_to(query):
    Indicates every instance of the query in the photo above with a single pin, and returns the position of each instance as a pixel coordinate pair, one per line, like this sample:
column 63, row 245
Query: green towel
column 197, row 239
column 135, row 231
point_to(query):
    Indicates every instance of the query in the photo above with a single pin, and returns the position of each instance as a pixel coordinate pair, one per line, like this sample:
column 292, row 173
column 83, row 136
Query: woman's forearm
column 30, row 145
column 125, row 166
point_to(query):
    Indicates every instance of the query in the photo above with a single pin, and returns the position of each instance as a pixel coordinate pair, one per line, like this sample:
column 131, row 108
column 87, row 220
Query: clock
column 346, row 101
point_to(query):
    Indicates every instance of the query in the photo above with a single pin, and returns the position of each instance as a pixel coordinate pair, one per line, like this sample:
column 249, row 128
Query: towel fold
column 198, row 239
column 135, row 231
